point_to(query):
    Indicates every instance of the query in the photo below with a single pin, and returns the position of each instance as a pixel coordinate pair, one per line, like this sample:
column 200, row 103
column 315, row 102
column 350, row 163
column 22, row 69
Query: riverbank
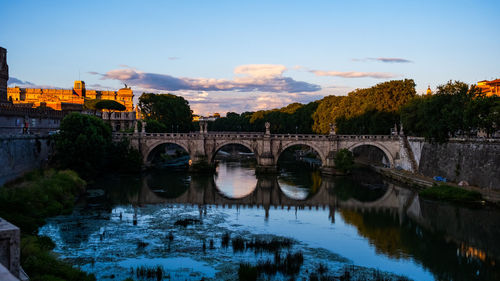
column 26, row 203
column 421, row 182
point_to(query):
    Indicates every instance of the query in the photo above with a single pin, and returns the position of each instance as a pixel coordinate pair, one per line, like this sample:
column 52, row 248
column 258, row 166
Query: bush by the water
column 26, row 203
column 450, row 193
column 39, row 195
column 344, row 160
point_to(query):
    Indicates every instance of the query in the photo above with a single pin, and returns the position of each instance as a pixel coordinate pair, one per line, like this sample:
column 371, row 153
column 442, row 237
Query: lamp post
column 296, row 129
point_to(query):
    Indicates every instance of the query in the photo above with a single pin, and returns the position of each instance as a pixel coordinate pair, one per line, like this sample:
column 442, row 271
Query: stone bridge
column 267, row 148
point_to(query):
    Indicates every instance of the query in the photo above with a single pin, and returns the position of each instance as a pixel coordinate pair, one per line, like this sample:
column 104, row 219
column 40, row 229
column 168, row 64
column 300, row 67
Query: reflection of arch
column 317, row 149
column 156, row 144
column 226, row 177
column 232, row 142
column 386, row 152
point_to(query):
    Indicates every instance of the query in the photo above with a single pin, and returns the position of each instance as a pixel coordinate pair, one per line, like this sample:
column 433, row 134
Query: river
column 361, row 225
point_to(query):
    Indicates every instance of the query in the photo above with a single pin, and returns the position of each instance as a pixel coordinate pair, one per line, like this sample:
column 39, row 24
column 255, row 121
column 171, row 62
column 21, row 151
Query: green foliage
column 123, row 158
column 293, row 118
column 39, row 195
column 153, row 126
column 450, row 193
column 170, row 110
column 372, row 122
column 82, row 143
column 353, row 114
column 344, row 160
column 40, row 264
column 454, row 109
column 26, row 203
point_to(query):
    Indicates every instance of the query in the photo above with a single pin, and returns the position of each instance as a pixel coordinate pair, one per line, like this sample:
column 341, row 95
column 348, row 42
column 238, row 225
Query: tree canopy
column 170, row 110
column 364, row 111
column 455, row 109
column 85, row 145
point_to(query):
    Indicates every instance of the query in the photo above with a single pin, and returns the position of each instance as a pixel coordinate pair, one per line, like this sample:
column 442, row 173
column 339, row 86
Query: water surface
column 361, row 222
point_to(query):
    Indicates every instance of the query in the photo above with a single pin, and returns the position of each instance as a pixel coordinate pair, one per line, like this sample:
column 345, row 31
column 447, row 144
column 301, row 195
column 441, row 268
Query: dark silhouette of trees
column 455, row 110
column 85, row 145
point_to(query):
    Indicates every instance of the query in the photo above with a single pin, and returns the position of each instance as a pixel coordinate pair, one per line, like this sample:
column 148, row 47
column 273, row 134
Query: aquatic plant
column 261, row 244
column 142, row 244
column 186, row 222
column 247, row 272
column 238, row 244
column 170, row 236
column 225, row 240
column 275, row 244
column 289, row 266
column 144, row 272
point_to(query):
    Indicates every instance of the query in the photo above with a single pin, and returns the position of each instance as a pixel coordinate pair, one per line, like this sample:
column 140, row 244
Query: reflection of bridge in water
column 268, row 193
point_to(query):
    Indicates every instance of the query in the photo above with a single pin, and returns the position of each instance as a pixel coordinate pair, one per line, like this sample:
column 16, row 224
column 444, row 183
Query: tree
column 82, row 143
column 85, row 145
column 455, row 109
column 170, row 110
column 344, row 160
column 355, row 111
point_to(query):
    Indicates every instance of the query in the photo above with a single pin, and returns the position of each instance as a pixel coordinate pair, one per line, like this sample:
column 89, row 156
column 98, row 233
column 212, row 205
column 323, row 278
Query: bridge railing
column 260, row 134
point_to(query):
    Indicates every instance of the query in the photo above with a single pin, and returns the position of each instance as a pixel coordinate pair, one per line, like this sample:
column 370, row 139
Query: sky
column 248, row 55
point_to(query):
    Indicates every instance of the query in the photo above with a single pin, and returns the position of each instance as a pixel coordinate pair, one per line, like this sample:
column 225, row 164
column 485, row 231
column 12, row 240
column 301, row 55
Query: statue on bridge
column 332, row 129
column 268, row 128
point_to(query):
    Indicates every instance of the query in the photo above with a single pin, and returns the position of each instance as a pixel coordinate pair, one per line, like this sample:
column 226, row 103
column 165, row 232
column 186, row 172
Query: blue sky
column 249, row 55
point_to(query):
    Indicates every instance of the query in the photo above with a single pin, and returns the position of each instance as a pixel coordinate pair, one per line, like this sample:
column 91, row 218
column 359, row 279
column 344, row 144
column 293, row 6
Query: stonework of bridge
column 267, row 148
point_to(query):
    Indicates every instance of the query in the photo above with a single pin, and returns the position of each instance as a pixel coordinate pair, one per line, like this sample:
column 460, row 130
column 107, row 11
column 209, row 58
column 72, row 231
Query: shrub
column 450, row 193
column 344, row 160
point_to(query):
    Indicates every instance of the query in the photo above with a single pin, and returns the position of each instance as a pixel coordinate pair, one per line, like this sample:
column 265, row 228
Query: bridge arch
column 218, row 147
column 322, row 154
column 386, row 152
column 156, row 144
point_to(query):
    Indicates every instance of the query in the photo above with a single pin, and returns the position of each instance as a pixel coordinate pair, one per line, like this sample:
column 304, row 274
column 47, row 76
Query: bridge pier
column 266, row 169
column 200, row 164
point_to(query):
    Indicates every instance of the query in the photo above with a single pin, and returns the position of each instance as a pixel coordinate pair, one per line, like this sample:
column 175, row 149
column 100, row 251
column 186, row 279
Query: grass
column 260, row 244
column 150, row 273
column 450, row 193
column 26, row 203
column 289, row 265
column 349, row 273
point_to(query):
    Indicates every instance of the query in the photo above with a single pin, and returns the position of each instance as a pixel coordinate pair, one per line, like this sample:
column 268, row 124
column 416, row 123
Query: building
column 56, row 98
column 4, row 75
column 74, row 99
column 429, row 91
column 490, row 88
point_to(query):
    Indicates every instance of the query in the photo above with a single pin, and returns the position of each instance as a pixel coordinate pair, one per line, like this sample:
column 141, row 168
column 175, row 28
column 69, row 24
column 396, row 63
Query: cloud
column 18, row 82
column 354, row 74
column 386, row 60
column 260, row 70
column 173, row 58
column 253, row 77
